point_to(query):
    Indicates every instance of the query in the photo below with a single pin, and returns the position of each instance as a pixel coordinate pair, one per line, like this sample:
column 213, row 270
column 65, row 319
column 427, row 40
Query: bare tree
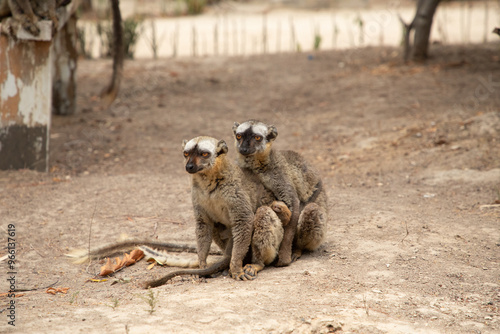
column 422, row 23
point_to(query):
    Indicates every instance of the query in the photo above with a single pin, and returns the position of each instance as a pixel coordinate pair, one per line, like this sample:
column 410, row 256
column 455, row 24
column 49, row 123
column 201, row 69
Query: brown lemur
column 224, row 201
column 292, row 180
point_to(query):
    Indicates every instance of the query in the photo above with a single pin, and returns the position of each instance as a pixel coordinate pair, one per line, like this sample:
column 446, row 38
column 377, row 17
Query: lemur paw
column 250, row 270
column 296, row 255
column 29, row 25
column 242, row 276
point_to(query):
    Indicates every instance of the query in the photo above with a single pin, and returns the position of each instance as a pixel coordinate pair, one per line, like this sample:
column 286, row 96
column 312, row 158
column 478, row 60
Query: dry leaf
column 128, row 259
column 5, row 294
column 107, row 268
column 136, row 254
column 97, row 280
column 151, row 265
column 53, row 291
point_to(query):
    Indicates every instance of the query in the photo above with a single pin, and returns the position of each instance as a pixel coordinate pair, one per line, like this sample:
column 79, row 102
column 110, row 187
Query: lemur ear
column 184, row 142
column 221, row 147
column 272, row 133
column 235, row 126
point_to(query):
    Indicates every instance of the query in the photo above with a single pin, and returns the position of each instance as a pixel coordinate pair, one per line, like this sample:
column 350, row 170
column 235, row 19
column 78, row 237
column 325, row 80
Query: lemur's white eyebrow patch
column 257, row 128
column 243, row 127
column 190, row 144
column 206, row 145
column 260, row 129
column 203, row 143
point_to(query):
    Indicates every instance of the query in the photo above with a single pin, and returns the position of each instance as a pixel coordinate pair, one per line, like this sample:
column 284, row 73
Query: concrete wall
column 25, row 103
column 37, row 77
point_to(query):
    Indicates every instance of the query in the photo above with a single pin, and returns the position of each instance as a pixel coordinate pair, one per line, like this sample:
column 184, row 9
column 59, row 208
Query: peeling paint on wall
column 25, row 103
column 27, row 77
column 9, row 88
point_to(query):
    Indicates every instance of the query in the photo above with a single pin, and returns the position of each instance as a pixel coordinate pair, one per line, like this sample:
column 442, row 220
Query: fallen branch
column 407, row 232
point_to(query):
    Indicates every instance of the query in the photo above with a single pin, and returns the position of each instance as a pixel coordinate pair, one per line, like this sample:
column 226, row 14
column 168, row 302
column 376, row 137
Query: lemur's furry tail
column 83, row 255
column 214, row 268
column 167, row 259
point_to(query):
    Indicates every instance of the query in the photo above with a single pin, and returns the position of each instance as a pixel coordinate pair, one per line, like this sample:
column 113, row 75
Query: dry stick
column 278, row 37
column 153, row 42
column 381, row 36
column 365, row 304
column 264, row 33
column 445, row 31
column 34, row 289
column 469, row 13
column 174, row 40
column 486, row 30
column 33, row 248
column 334, row 32
column 216, row 39
column 226, row 36
column 154, row 229
column 243, row 36
column 205, row 47
column 351, row 36
column 235, row 38
column 194, row 40
column 407, row 233
column 462, row 21
column 407, row 30
column 156, row 40
column 317, row 37
column 293, row 44
column 90, row 235
column 361, row 31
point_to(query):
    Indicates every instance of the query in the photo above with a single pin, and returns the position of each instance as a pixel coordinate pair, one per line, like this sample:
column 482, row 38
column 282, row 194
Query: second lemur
column 292, row 180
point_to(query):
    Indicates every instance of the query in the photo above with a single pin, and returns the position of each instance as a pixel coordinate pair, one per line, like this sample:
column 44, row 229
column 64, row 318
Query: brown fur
column 27, row 13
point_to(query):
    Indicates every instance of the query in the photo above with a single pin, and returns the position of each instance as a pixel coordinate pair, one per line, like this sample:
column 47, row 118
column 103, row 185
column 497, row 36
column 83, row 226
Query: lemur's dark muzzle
column 246, row 150
column 191, row 168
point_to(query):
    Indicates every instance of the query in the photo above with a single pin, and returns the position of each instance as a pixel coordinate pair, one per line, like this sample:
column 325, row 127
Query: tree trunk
column 422, row 24
column 110, row 93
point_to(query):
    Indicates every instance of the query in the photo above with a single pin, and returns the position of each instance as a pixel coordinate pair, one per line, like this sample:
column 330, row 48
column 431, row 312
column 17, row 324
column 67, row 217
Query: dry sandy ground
column 410, row 157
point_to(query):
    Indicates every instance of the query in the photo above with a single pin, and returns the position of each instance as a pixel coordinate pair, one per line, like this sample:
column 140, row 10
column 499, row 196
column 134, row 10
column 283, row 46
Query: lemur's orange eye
column 258, row 138
column 205, row 154
column 186, row 154
column 238, row 136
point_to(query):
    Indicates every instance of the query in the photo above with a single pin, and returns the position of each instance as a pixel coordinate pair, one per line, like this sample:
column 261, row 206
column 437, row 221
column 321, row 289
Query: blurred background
column 193, row 28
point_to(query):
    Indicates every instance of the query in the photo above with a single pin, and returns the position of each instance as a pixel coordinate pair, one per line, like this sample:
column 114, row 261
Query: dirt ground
column 410, row 157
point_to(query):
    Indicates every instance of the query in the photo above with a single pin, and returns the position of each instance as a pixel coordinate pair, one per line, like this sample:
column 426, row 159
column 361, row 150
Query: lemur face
column 201, row 153
column 253, row 136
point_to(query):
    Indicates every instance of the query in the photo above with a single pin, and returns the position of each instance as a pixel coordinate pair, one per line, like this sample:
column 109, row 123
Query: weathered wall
column 37, row 77
column 25, row 103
